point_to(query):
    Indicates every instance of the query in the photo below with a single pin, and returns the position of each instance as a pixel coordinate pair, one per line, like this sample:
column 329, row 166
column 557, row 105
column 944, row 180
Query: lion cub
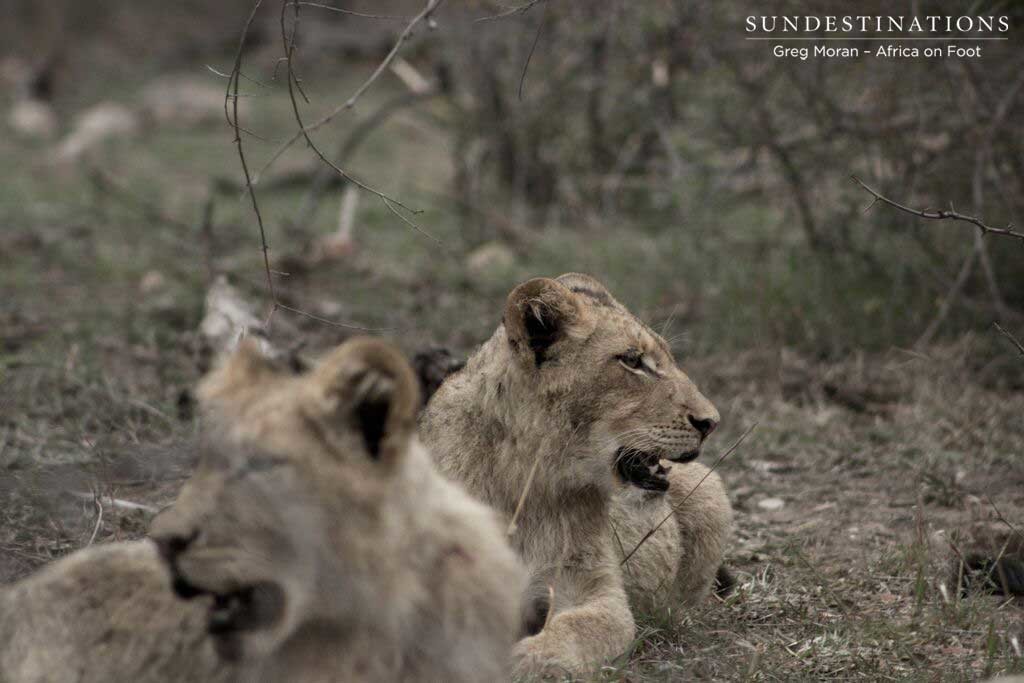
column 315, row 542
column 562, row 421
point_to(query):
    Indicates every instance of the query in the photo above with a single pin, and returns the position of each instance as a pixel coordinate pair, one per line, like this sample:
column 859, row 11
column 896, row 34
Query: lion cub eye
column 632, row 359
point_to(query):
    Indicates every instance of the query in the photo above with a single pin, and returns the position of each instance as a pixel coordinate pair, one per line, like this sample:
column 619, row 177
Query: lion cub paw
column 540, row 658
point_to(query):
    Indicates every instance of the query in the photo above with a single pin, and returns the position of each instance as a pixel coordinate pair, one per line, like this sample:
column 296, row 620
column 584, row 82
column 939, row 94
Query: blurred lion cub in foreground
column 315, row 542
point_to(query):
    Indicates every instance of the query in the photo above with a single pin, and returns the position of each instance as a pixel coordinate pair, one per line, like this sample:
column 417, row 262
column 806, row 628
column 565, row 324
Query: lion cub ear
column 538, row 314
column 371, row 388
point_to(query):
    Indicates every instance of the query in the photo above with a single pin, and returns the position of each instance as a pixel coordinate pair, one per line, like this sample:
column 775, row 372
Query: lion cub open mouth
column 644, row 470
column 249, row 608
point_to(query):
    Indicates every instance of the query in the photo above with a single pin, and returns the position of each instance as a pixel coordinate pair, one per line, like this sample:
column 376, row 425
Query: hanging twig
column 231, row 99
column 533, row 47
column 231, row 114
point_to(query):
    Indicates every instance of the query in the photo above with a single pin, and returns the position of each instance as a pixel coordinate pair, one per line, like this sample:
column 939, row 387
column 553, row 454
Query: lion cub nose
column 704, row 426
column 172, row 544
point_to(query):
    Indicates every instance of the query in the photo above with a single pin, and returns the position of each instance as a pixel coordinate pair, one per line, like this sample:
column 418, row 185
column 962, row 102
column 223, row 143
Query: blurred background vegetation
column 647, row 142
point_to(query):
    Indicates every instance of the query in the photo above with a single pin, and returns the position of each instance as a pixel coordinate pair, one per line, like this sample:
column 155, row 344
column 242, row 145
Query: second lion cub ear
column 538, row 314
column 369, row 388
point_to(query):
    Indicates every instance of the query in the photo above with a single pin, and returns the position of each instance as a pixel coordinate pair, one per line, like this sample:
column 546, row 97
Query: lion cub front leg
column 579, row 636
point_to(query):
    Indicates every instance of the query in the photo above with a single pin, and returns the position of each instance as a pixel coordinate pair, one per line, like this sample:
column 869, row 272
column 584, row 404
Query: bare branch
column 1013, row 340
column 252, row 80
column 533, row 47
column 521, row 9
column 687, row 496
column 351, row 101
column 358, row 135
column 340, row 10
column 289, row 48
column 231, row 114
column 951, row 296
column 951, row 214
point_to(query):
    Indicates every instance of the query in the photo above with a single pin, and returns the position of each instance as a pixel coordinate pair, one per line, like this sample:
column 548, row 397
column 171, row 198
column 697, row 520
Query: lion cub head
column 286, row 522
column 575, row 344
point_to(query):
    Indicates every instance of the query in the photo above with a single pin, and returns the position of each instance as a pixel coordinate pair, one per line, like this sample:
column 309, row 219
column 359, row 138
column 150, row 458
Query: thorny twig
column 231, row 99
column 1013, row 340
column 304, row 131
column 687, row 496
column 951, row 214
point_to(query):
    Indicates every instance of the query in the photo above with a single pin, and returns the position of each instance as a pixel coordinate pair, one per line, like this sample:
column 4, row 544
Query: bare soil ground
column 839, row 491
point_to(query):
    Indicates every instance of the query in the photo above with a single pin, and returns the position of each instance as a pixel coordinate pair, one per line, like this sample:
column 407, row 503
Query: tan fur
column 359, row 562
column 547, row 391
column 104, row 614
